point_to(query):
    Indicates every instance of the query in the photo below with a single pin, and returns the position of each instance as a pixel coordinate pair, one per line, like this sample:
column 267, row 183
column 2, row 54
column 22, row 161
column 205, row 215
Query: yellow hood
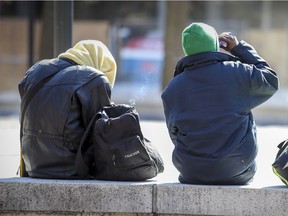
column 95, row 54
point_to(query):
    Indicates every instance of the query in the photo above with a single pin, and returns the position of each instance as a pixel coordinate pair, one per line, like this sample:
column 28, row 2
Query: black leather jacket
column 58, row 114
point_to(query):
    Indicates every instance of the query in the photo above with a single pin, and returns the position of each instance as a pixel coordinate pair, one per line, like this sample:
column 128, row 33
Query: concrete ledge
column 221, row 200
column 22, row 196
column 38, row 195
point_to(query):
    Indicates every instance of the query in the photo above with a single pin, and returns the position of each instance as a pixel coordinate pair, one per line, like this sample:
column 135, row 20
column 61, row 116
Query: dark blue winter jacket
column 208, row 114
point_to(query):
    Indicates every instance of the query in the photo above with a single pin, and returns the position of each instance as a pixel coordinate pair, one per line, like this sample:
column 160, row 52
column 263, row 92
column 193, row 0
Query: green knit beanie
column 199, row 37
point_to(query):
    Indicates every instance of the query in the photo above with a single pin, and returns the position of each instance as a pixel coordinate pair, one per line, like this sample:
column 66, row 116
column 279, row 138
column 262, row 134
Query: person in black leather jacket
column 208, row 107
column 57, row 115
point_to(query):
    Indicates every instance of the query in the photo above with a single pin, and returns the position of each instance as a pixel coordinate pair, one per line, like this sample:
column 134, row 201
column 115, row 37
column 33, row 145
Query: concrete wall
column 25, row 196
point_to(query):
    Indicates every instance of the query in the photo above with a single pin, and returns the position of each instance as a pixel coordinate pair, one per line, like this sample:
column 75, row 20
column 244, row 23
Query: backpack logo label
column 132, row 154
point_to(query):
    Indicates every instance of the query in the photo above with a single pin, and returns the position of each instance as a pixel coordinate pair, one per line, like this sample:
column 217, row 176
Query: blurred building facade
column 136, row 33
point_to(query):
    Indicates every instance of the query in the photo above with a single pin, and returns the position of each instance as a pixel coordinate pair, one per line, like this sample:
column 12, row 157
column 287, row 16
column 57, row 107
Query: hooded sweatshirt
column 95, row 54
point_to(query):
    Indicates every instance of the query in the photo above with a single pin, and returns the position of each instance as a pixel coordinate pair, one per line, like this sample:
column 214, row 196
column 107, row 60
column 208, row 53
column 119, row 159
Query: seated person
column 59, row 112
column 208, row 106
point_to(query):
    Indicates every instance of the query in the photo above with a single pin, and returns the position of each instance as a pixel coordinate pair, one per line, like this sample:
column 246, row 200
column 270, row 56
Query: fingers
column 227, row 40
column 226, row 36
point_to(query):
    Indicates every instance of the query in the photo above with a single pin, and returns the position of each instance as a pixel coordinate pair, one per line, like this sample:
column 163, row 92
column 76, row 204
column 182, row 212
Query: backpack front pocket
column 130, row 153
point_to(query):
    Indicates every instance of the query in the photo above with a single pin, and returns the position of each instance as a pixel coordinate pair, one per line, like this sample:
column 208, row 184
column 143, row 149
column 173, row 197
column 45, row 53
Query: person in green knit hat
column 208, row 106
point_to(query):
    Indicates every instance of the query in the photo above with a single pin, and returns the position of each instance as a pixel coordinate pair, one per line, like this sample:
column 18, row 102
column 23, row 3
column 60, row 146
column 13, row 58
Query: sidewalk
column 268, row 138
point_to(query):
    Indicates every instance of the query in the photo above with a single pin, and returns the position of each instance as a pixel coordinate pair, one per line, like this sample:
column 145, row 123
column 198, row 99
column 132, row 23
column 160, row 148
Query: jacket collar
column 201, row 59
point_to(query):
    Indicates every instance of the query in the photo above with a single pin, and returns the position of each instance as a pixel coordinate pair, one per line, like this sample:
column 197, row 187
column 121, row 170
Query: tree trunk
column 177, row 19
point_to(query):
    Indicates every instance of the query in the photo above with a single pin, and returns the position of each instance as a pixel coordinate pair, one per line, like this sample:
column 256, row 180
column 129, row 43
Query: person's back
column 208, row 107
column 56, row 117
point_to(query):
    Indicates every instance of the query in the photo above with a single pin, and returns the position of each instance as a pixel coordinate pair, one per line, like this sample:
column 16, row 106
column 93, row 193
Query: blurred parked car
column 142, row 59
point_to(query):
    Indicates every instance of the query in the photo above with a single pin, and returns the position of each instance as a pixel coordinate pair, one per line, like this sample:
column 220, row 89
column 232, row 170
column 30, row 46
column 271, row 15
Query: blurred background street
column 145, row 39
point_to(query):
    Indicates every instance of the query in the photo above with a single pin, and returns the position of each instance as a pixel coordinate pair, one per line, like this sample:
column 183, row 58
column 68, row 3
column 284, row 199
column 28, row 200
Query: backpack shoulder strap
column 80, row 165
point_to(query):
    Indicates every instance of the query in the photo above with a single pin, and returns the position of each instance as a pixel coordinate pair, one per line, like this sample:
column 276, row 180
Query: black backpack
column 280, row 166
column 121, row 152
